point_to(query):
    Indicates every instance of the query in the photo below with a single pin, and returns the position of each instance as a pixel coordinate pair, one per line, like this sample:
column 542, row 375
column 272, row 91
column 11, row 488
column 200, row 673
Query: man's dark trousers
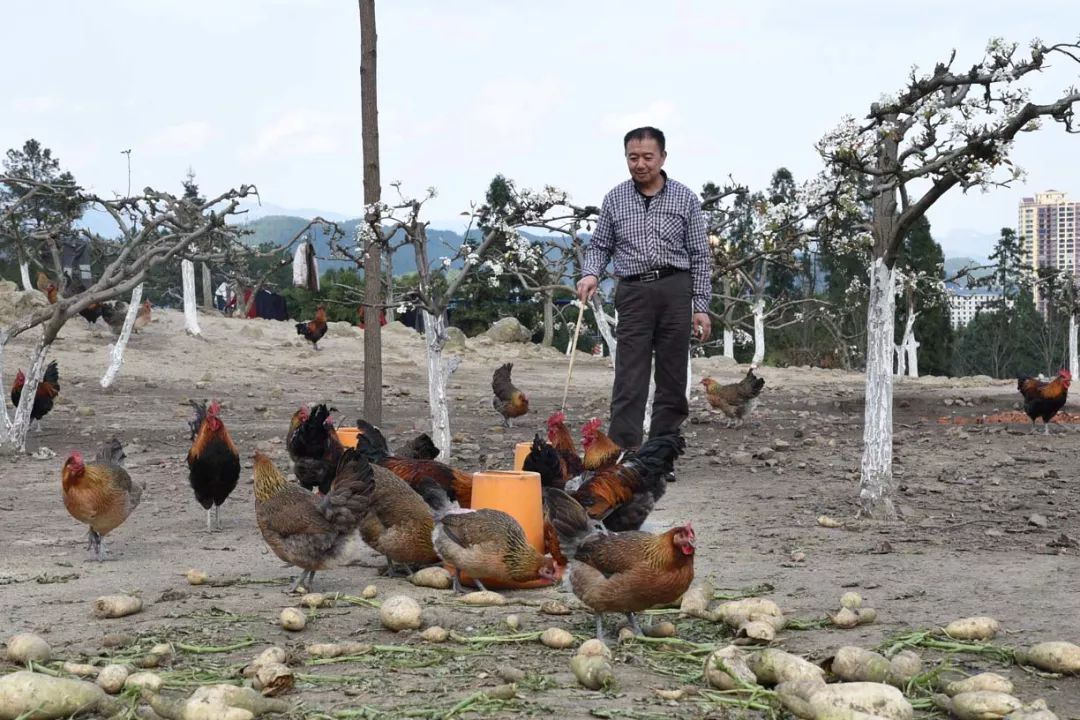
column 653, row 316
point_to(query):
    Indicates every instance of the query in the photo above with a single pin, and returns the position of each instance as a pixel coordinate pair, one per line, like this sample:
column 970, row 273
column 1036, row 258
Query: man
column 653, row 228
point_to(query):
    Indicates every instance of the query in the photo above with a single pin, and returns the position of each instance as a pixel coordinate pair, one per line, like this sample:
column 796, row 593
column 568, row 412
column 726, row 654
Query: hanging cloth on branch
column 305, row 269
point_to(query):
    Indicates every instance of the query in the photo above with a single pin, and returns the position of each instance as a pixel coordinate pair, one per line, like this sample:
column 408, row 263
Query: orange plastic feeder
column 517, row 493
column 348, row 436
column 521, row 451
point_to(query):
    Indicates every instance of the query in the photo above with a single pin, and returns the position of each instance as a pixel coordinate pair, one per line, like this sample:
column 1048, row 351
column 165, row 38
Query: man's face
column 644, row 159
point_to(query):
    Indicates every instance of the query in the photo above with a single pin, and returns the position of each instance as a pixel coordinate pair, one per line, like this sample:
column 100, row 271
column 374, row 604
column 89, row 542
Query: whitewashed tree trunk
column 117, row 357
column 875, row 488
column 549, row 319
column 605, row 323
column 24, row 272
column 759, row 331
column 435, row 339
column 207, row 289
column 16, row 431
column 912, row 349
column 729, row 343
column 901, row 360
column 1074, row 361
column 191, row 311
column 6, row 419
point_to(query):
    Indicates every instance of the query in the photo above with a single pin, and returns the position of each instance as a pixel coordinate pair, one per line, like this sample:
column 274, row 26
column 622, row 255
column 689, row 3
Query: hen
column 372, row 444
column 633, row 571
column 46, row 393
column 313, row 330
column 736, row 400
column 483, row 543
column 143, row 316
column 421, row 447
column 396, row 522
column 315, row 449
column 566, row 524
column 1044, row 399
column 600, row 450
column 624, row 495
column 114, row 313
column 213, row 463
column 311, row 532
column 100, row 493
column 508, row 401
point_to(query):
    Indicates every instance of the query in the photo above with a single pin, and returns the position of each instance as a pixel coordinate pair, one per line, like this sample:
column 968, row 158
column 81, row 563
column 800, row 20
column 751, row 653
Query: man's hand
column 702, row 325
column 586, row 287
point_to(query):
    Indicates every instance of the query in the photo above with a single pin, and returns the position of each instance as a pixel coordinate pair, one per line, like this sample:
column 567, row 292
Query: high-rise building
column 1048, row 233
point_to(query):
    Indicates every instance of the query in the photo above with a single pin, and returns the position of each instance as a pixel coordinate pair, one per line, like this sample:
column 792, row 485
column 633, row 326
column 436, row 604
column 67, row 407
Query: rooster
column 315, row 448
column 736, row 400
column 600, row 451
column 298, row 417
column 396, row 522
column 483, row 543
column 1044, row 399
column 313, row 330
column 74, row 286
column 372, row 444
column 213, row 463
column 46, row 393
column 631, row 572
column 100, row 494
column 560, row 438
column 313, row 533
column 508, row 401
column 544, row 460
column 623, row 496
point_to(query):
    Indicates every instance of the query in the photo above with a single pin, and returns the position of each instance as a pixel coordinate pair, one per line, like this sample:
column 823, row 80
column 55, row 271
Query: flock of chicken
column 113, row 313
column 416, row 511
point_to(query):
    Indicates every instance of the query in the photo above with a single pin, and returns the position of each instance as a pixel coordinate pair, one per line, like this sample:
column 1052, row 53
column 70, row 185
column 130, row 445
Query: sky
column 268, row 92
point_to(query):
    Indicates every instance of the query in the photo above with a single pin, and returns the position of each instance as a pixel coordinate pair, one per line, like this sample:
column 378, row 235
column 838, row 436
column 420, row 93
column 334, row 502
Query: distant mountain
column 955, row 265
column 280, row 229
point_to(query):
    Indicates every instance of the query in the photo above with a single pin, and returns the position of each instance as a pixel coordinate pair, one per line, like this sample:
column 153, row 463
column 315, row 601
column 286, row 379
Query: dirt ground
column 989, row 525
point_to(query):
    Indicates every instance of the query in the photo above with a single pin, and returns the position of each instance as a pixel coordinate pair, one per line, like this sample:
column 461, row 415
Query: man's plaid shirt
column 669, row 233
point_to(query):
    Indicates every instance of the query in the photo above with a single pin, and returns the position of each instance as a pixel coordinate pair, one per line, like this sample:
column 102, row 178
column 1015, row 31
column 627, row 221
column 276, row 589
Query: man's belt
column 652, row 275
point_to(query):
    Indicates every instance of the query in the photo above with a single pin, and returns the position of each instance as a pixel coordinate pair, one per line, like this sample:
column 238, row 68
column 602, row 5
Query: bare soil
column 989, row 524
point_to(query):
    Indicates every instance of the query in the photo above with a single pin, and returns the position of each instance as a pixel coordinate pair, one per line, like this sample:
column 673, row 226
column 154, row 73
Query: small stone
column 948, row 402
column 85, row 412
column 741, row 458
column 260, row 408
column 510, row 674
column 513, row 622
column 1038, row 520
column 202, row 385
column 369, row 592
column 781, row 445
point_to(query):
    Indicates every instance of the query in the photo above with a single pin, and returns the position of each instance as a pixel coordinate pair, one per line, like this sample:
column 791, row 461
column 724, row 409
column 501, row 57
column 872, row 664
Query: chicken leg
column 308, row 575
column 96, row 543
column 600, row 627
column 1046, row 427
column 213, row 522
column 634, row 624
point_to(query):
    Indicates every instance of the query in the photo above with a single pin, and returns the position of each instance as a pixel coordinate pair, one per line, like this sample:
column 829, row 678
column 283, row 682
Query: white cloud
column 36, row 104
column 184, row 137
column 659, row 113
column 514, row 109
column 300, row 133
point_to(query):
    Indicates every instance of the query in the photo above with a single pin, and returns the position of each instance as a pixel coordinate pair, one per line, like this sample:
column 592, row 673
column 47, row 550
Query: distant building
column 1048, row 232
column 965, row 303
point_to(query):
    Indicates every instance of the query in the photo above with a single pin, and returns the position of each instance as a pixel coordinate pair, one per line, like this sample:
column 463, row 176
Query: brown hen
column 100, row 494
